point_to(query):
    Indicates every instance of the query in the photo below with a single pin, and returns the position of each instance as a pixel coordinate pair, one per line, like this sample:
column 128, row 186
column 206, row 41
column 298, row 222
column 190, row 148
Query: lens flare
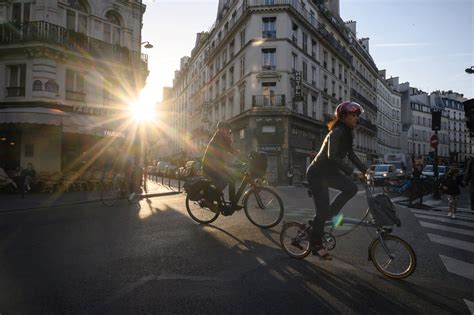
column 142, row 110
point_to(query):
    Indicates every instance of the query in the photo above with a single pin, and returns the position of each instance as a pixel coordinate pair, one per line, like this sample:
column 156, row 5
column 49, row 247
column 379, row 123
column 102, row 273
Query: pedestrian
column 290, row 176
column 469, row 180
column 450, row 186
column 29, row 175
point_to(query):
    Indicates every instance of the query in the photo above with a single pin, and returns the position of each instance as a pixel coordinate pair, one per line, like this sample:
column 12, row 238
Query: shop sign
column 269, row 148
column 298, row 95
column 90, row 110
column 111, row 133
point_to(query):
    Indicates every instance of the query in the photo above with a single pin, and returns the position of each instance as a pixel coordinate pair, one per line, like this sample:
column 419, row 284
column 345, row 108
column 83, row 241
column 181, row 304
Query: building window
column 231, row 76
column 242, row 100
column 269, row 60
column 242, row 134
column 269, row 2
column 242, row 38
column 268, row 30
column 16, row 80
column 76, row 16
column 74, row 85
column 269, row 129
column 314, row 105
column 294, row 59
column 112, row 29
column 21, row 13
column 313, row 76
column 242, row 66
column 231, row 49
column 294, row 35
column 305, row 71
column 313, row 48
column 325, row 59
column 305, row 42
column 268, row 89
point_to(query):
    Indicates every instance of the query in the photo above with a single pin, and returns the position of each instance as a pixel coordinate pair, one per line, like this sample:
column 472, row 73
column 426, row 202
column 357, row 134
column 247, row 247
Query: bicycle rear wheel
column 394, row 258
column 263, row 207
column 110, row 195
column 295, row 240
column 199, row 213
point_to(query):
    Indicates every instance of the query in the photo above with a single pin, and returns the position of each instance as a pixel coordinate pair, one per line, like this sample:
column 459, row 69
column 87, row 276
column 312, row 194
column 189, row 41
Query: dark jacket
column 469, row 175
column 452, row 183
column 336, row 147
column 217, row 153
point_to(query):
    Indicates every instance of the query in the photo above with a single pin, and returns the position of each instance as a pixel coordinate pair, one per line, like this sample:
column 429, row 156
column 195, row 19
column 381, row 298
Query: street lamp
column 147, row 45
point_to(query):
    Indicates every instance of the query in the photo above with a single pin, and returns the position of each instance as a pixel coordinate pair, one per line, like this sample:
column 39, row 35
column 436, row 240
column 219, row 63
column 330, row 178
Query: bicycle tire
column 212, row 215
column 254, row 210
column 376, row 246
column 287, row 241
column 109, row 197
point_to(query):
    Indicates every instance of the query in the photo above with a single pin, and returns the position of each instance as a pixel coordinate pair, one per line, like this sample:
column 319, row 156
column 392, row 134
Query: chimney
column 352, row 26
column 382, row 73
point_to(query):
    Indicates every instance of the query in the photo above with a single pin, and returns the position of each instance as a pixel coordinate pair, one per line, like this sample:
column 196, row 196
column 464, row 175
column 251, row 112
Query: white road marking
column 446, row 228
column 470, row 306
column 443, row 214
column 128, row 288
column 399, row 198
column 458, row 267
column 451, row 242
column 445, row 220
column 462, row 209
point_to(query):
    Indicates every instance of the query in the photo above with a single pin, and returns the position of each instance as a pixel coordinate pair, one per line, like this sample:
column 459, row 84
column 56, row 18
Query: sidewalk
column 14, row 202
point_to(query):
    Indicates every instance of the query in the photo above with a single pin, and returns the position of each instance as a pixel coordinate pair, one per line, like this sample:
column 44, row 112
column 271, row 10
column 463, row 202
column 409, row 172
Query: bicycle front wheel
column 394, row 258
column 295, row 240
column 199, row 213
column 263, row 207
column 110, row 195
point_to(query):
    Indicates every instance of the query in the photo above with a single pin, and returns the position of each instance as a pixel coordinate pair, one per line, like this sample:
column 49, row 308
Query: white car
column 383, row 171
column 428, row 171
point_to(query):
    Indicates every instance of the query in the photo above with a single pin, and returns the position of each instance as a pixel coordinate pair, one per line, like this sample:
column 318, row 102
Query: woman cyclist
column 328, row 169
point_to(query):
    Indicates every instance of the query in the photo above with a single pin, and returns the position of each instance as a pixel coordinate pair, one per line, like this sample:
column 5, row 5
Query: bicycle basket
column 257, row 164
column 383, row 211
column 195, row 186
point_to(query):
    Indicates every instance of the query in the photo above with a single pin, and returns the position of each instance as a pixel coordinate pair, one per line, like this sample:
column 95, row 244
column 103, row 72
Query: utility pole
column 435, row 125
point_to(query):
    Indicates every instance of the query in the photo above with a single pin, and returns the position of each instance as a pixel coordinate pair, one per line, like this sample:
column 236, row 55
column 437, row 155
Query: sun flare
column 141, row 110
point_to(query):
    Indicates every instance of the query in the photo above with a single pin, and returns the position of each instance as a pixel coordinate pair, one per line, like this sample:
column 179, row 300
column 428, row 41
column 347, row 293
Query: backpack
column 383, row 211
column 195, row 187
column 257, row 164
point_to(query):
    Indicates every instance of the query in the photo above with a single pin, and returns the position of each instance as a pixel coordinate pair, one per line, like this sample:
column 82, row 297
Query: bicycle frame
column 247, row 180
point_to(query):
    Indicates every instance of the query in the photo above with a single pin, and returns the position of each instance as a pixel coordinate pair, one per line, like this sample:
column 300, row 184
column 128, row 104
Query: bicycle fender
column 369, row 258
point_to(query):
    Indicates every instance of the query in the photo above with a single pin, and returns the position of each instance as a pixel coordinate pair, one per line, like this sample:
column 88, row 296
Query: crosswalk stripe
column 451, row 242
column 443, row 214
column 446, row 228
column 445, row 220
column 459, row 267
column 470, row 306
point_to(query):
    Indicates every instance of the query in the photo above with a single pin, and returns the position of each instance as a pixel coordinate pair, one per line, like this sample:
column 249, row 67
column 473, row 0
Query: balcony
column 15, row 91
column 363, row 100
column 268, row 101
column 75, row 96
column 268, row 67
column 41, row 31
column 367, row 124
column 269, row 34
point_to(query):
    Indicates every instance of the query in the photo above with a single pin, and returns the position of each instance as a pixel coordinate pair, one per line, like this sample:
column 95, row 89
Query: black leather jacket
column 330, row 159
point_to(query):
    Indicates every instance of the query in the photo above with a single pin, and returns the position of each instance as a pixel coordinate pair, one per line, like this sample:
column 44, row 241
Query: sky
column 428, row 43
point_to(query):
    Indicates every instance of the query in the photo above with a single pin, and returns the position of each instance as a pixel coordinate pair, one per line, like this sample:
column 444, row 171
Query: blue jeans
column 319, row 186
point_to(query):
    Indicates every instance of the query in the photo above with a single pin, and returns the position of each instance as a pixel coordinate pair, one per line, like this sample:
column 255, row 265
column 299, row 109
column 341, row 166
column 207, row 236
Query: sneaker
column 449, row 214
column 337, row 220
column 453, row 216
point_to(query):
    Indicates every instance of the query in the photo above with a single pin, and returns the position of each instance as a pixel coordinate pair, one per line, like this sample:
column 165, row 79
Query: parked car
column 382, row 172
column 429, row 172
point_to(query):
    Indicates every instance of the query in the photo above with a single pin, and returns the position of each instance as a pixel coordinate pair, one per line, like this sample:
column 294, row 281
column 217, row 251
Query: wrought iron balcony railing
column 363, row 100
column 268, row 101
column 15, row 91
column 46, row 32
column 269, row 34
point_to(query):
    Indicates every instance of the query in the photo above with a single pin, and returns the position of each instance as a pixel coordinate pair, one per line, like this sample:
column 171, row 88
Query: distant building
column 69, row 68
column 276, row 71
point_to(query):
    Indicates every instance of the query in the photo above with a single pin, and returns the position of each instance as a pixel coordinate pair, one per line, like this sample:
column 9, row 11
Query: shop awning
column 32, row 115
column 93, row 125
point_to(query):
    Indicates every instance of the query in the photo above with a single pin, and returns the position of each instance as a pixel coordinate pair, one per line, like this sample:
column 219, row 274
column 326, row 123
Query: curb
column 8, row 211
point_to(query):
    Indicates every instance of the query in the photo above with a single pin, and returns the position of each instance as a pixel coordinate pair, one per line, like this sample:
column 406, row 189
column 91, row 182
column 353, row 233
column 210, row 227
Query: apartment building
column 69, row 69
column 388, row 117
column 276, row 70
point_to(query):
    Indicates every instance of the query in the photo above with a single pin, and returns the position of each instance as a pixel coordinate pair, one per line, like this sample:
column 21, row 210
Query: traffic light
column 436, row 120
column 469, row 114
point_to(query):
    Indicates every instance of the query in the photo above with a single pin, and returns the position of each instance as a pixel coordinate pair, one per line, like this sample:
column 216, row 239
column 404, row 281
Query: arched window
column 112, row 28
column 76, row 16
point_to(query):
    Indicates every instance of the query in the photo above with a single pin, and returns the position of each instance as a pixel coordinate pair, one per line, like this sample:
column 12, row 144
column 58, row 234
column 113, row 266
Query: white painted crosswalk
column 456, row 236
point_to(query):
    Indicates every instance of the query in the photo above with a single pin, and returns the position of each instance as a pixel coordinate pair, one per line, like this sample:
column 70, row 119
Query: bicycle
column 118, row 190
column 382, row 251
column 399, row 186
column 262, row 205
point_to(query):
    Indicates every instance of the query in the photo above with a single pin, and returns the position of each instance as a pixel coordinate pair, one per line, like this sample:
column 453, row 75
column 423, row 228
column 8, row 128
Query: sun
column 142, row 110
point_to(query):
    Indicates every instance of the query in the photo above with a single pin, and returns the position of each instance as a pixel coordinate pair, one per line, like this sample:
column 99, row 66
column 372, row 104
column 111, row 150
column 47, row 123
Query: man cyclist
column 218, row 151
column 328, row 169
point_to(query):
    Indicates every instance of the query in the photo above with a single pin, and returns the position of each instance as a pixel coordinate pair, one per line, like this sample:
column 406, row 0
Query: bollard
column 179, row 182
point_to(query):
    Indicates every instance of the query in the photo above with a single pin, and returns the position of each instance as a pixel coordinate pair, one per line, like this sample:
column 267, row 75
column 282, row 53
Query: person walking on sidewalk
column 450, row 186
column 290, row 176
column 469, row 180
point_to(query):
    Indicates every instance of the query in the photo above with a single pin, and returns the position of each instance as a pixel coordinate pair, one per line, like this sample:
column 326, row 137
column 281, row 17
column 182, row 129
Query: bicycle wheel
column 110, row 195
column 263, row 207
column 295, row 240
column 199, row 213
column 394, row 258
column 329, row 241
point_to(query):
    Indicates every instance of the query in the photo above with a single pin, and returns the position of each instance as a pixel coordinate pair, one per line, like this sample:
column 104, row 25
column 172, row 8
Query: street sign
column 298, row 94
column 434, row 141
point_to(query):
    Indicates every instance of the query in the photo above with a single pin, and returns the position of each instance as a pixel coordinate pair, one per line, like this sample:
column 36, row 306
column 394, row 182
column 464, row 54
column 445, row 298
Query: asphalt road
column 153, row 258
